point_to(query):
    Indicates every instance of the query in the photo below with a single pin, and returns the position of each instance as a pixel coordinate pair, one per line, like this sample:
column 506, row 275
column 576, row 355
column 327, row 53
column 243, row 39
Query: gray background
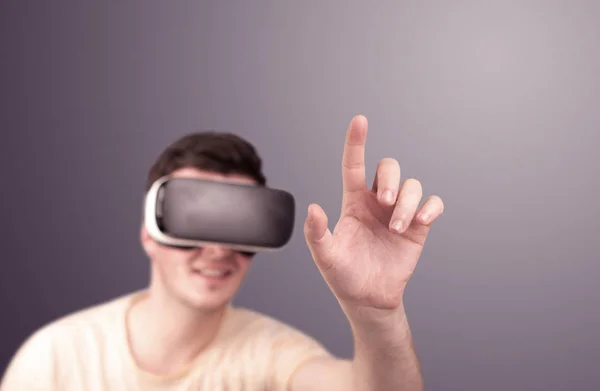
column 492, row 105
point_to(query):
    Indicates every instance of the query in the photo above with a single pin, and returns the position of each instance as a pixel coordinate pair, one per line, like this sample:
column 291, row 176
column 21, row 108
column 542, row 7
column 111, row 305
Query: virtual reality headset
column 190, row 213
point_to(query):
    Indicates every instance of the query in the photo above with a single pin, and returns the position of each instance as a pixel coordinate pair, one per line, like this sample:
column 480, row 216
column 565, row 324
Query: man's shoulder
column 95, row 319
column 60, row 340
column 106, row 312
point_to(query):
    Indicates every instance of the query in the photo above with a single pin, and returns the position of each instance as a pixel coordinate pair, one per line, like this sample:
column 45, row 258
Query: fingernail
column 425, row 217
column 387, row 196
column 397, row 226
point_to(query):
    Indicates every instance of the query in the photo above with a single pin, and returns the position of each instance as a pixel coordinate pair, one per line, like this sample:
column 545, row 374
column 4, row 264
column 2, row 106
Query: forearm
column 384, row 357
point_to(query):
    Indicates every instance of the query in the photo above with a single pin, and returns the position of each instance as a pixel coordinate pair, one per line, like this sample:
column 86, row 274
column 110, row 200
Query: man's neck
column 165, row 336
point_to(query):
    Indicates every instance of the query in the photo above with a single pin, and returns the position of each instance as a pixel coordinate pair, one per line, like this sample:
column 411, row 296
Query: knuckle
column 352, row 165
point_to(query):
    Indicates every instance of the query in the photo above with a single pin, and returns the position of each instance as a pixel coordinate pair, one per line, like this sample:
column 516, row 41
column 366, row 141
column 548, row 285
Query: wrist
column 383, row 349
column 372, row 317
column 375, row 326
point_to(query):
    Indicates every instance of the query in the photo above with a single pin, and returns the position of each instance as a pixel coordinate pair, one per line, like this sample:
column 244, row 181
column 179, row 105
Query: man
column 183, row 333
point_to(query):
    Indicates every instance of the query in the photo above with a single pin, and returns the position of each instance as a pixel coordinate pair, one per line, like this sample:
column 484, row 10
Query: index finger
column 353, row 161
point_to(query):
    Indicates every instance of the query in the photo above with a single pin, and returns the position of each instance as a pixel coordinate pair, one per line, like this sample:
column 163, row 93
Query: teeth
column 213, row 272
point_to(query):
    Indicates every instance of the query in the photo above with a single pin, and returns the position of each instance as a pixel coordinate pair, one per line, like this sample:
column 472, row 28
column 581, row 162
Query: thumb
column 318, row 236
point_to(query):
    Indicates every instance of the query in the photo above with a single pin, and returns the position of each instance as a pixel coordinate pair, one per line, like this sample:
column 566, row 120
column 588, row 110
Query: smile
column 211, row 272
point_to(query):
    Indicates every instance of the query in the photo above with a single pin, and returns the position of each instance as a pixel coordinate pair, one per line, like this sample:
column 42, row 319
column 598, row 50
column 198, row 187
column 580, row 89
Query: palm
column 363, row 261
column 372, row 264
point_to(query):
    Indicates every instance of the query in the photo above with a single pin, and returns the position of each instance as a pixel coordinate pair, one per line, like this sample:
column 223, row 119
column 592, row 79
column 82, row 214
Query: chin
column 211, row 295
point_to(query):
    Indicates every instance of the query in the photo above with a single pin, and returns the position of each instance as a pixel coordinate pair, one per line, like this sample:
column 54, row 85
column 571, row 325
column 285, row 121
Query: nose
column 219, row 252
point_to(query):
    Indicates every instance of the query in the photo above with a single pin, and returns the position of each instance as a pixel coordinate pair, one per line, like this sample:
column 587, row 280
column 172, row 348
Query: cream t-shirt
column 89, row 351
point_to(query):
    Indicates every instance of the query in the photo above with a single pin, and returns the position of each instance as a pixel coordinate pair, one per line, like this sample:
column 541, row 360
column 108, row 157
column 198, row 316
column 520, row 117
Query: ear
column 147, row 242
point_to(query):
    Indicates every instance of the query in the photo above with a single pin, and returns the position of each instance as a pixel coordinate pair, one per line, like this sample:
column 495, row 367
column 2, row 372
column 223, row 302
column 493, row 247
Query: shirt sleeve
column 32, row 367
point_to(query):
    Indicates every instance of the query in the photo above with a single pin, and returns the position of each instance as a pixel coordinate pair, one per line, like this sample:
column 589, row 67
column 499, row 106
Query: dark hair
column 211, row 151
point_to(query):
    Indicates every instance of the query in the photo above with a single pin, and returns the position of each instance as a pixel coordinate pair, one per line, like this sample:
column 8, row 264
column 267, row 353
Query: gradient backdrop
column 492, row 105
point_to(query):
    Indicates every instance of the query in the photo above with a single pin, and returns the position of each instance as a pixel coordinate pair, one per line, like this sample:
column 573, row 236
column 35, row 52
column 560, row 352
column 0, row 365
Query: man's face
column 204, row 278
